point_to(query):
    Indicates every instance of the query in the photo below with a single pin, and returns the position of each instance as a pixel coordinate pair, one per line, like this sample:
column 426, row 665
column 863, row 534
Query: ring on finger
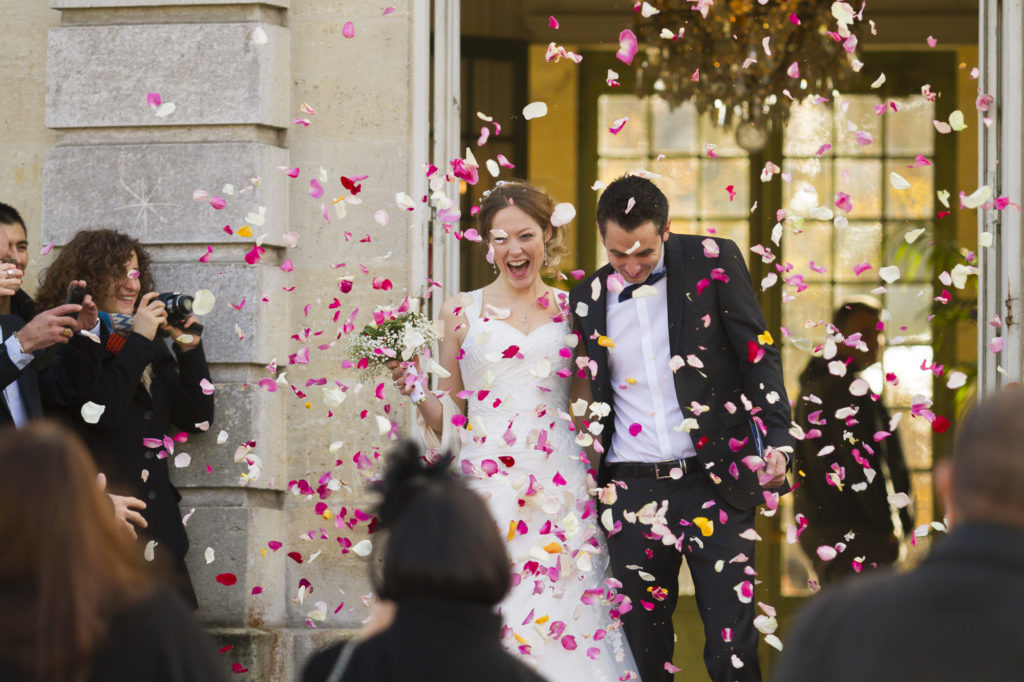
column 67, row 332
column 8, row 273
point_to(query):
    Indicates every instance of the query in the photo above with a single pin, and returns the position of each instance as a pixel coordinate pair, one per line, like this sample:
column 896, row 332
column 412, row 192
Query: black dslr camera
column 179, row 307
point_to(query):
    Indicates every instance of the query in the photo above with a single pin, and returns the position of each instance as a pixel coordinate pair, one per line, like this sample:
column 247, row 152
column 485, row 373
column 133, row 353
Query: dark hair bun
column 407, row 475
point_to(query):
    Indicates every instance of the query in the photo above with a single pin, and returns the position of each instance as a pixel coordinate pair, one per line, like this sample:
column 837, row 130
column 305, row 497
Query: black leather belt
column 659, row 470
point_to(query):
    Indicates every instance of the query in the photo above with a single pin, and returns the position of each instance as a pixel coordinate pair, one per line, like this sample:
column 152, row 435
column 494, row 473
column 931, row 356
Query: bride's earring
column 495, row 266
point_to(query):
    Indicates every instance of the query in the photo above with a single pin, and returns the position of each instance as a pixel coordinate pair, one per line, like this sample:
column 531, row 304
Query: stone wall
column 238, row 74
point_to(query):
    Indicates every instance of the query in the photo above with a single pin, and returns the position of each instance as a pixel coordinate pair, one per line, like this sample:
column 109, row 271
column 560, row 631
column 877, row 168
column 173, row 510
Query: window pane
column 905, row 362
column 915, row 202
column 724, row 139
column 814, row 304
column 675, row 131
column 736, row 230
column 796, row 568
column 855, row 244
column 909, row 131
column 862, row 180
column 809, row 187
column 609, row 169
column 858, row 112
column 632, row 139
column 793, row 361
column 679, row 183
column 910, row 305
column 814, row 247
column 916, row 438
column 716, row 176
column 914, row 260
column 809, row 127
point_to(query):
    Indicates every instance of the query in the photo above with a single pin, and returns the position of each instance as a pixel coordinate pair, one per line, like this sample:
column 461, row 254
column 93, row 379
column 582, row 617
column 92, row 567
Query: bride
column 508, row 349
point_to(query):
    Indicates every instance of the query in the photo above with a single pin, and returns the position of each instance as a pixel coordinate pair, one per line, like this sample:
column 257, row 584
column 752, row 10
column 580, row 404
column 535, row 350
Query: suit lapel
column 597, row 318
column 674, row 266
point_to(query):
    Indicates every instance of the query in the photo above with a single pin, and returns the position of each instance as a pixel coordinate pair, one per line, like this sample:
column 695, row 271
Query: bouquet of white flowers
column 395, row 334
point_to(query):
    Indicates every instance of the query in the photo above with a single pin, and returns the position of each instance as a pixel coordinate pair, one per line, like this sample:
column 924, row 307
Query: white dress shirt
column 12, row 396
column 642, row 382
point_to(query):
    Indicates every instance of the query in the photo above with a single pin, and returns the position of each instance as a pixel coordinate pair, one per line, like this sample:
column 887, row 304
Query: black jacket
column 175, row 402
column 431, row 639
column 734, row 320
column 956, row 617
column 69, row 375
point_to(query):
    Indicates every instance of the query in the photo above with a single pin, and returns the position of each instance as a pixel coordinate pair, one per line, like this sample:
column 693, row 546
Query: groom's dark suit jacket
column 716, row 325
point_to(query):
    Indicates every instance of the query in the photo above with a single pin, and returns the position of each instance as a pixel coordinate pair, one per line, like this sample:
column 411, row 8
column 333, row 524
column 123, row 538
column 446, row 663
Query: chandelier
column 743, row 62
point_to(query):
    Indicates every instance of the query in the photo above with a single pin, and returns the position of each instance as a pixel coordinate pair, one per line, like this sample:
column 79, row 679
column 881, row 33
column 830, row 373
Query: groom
column 697, row 411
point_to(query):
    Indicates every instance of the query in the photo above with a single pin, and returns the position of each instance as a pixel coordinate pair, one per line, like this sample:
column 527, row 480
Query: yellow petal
column 605, row 342
column 511, row 530
column 543, row 619
column 707, row 527
column 630, row 380
column 553, row 548
column 765, row 339
column 519, row 638
column 244, row 231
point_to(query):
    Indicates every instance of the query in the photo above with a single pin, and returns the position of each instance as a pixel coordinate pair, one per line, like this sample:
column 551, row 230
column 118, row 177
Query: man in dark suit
column 956, row 616
column 845, row 471
column 689, row 414
column 23, row 376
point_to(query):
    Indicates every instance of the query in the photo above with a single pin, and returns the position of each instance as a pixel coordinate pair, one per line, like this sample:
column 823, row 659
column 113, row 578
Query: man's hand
column 10, row 279
column 150, row 316
column 124, row 510
column 178, row 332
column 49, row 327
column 774, row 473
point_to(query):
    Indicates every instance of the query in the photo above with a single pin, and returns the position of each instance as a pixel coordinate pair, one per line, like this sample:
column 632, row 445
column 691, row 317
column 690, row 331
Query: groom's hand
column 774, row 473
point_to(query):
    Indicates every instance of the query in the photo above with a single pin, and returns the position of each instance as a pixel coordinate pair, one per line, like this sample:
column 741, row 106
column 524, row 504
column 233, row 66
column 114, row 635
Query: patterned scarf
column 121, row 324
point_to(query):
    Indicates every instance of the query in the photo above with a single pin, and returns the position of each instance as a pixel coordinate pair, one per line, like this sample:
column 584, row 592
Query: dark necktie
column 627, row 293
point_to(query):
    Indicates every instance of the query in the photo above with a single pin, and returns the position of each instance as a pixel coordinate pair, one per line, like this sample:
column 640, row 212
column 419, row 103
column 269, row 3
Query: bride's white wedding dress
column 518, row 453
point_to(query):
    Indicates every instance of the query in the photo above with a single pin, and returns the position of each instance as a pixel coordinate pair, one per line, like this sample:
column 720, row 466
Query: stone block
column 98, row 76
column 238, row 537
column 146, row 190
column 262, row 326
column 246, row 414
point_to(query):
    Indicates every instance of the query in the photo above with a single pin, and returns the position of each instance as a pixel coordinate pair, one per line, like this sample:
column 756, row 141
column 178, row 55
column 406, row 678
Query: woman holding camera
column 146, row 390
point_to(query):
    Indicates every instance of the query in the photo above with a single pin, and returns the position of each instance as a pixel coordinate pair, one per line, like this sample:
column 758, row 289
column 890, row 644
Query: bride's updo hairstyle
column 440, row 539
column 535, row 203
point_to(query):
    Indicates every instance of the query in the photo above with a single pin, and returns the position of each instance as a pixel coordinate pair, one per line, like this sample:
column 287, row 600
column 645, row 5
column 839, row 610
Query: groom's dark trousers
column 714, row 317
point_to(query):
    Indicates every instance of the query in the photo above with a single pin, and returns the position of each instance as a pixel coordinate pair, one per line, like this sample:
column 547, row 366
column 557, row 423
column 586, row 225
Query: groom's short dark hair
column 649, row 203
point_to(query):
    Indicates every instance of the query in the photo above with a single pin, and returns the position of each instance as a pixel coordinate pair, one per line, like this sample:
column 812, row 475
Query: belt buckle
column 657, row 472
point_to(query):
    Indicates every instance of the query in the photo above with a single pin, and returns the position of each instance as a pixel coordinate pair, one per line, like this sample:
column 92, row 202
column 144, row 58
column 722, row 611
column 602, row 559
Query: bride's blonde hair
column 535, row 203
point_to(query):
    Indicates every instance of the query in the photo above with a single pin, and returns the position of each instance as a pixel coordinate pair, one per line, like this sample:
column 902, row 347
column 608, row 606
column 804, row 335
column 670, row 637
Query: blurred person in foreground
column 956, row 616
column 145, row 389
column 76, row 603
column 848, row 472
column 444, row 571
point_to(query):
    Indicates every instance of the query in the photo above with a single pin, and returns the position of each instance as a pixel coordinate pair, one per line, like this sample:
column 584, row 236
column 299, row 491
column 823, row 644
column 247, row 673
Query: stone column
column 232, row 76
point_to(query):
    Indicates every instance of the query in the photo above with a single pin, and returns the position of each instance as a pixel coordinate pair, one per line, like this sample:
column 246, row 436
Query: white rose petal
column 859, row 387
column 889, row 273
column 912, row 236
column 956, row 120
column 535, row 110
column 899, row 500
column 91, row 412
column 182, row 460
column 563, row 214
column 203, row 302
column 985, row 239
column 837, row 368
column 363, row 548
column 222, row 438
column 150, row 552
column 259, row 36
column 898, row 181
column 956, row 380
column 208, row 555
column 383, row 425
column 977, row 197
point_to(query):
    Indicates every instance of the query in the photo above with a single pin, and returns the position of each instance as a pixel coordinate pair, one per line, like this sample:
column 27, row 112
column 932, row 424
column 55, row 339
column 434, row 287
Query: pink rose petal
column 348, row 30
column 627, row 47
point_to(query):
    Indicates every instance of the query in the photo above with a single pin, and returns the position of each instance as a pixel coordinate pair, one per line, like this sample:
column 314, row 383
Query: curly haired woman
column 146, row 390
